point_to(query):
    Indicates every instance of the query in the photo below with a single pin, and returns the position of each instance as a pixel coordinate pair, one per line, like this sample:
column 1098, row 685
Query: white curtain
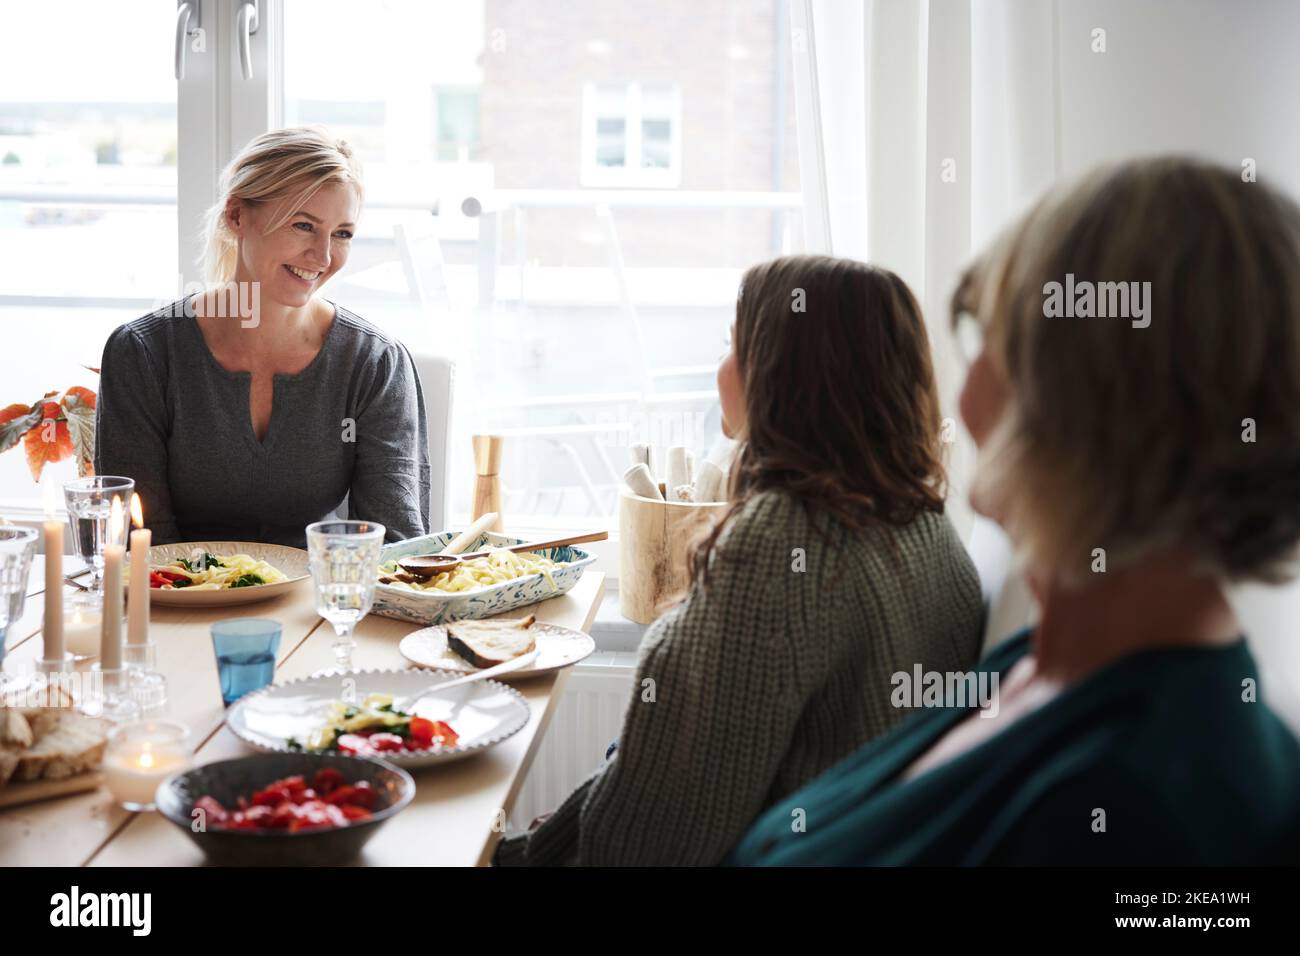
column 936, row 126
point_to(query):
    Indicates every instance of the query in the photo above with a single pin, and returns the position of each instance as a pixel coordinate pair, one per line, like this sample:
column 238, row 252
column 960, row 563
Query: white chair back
column 438, row 380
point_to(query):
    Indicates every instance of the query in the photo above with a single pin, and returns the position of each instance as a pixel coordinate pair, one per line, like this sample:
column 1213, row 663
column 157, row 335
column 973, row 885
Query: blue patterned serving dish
column 434, row 607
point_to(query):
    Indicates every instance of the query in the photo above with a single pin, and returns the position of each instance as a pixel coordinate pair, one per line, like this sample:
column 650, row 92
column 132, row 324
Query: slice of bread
column 74, row 744
column 15, row 737
column 15, row 731
column 485, row 643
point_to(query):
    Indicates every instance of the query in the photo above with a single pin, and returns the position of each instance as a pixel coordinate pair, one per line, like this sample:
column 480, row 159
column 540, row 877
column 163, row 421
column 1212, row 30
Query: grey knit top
column 352, row 423
column 749, row 689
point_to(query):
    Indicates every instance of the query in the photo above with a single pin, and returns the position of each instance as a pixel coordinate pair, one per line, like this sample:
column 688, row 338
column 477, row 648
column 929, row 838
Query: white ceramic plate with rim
column 557, row 647
column 483, row 713
column 292, row 562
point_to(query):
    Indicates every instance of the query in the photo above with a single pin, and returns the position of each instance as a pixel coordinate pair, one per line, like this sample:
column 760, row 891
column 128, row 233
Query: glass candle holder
column 141, row 755
column 83, row 627
column 108, row 695
column 148, row 689
column 140, row 657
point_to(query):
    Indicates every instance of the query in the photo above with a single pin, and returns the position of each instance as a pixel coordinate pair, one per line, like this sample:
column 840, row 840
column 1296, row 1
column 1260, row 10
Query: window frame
column 631, row 174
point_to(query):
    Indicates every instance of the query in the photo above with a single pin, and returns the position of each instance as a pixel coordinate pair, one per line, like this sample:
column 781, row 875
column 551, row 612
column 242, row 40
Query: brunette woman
column 834, row 570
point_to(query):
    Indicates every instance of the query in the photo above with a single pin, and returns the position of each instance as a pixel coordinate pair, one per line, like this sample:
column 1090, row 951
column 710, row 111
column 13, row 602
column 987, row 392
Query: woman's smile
column 305, row 276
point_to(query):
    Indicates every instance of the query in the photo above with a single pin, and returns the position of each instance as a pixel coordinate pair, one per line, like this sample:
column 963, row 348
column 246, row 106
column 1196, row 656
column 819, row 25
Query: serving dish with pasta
column 213, row 573
column 496, row 567
column 480, row 587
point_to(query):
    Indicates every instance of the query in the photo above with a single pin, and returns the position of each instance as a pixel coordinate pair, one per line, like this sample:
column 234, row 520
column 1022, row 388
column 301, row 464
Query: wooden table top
column 453, row 820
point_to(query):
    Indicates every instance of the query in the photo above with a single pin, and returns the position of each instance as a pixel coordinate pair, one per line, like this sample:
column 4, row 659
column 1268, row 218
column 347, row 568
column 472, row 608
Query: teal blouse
column 1159, row 758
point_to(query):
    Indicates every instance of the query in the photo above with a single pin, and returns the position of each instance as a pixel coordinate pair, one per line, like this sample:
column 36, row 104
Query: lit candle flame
column 115, row 521
column 137, row 514
column 50, row 499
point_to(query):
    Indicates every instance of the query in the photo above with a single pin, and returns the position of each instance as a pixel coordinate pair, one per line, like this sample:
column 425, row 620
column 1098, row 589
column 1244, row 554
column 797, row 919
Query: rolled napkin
column 690, row 465
column 640, row 454
column 708, row 483
column 679, row 473
column 639, row 480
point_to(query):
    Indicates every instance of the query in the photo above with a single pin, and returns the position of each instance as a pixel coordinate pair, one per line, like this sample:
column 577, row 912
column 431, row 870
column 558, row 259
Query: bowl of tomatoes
column 285, row 809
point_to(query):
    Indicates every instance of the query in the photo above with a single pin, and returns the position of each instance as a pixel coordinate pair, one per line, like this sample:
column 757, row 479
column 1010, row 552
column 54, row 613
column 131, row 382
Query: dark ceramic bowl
column 228, row 780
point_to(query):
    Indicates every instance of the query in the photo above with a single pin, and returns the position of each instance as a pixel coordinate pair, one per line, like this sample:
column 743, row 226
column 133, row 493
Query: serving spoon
column 428, row 565
column 407, row 704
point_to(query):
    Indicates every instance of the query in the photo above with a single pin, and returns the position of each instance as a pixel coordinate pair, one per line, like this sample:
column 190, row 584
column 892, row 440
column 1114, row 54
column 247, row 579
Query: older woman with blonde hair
column 1141, row 462
column 255, row 408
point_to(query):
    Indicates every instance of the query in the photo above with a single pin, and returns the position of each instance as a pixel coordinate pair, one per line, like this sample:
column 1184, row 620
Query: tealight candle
column 82, row 629
column 140, row 756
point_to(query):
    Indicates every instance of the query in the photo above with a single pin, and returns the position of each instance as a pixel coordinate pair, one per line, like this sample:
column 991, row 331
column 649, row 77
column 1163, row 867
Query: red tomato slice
column 354, row 744
column 422, row 731
column 213, row 812
column 385, row 743
column 272, row 796
column 443, row 729
column 327, row 780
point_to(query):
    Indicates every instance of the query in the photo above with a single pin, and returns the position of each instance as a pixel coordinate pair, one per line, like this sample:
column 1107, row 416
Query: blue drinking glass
column 246, row 648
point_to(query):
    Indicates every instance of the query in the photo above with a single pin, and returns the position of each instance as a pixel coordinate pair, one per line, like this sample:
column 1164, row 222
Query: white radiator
column 587, row 718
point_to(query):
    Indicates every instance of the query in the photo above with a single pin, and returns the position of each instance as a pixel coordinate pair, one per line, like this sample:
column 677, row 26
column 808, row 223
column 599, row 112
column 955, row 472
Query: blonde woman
column 1140, row 461
column 252, row 410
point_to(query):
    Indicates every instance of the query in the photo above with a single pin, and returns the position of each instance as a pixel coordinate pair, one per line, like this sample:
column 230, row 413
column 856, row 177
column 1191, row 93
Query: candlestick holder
column 109, row 695
column 58, row 665
column 149, row 690
column 140, row 657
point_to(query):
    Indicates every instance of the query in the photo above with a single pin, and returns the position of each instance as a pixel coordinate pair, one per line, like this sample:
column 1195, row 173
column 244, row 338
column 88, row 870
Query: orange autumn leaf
column 48, row 442
column 15, row 422
column 79, row 412
column 10, row 412
column 78, row 392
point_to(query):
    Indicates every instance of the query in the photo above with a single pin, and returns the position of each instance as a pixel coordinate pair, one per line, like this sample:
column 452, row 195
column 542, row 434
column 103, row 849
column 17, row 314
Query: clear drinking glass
column 17, row 547
column 90, row 501
column 344, row 558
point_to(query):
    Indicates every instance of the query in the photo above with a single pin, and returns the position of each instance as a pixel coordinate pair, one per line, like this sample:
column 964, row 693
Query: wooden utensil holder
column 654, row 539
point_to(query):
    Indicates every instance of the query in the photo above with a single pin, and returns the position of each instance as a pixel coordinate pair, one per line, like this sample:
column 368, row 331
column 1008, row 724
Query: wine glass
column 344, row 559
column 90, row 501
column 17, row 546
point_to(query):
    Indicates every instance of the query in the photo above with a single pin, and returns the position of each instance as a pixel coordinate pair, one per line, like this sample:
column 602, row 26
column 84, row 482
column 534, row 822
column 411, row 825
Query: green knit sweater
column 751, row 688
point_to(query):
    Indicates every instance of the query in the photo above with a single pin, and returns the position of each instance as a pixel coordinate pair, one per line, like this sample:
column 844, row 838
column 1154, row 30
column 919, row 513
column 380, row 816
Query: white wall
column 1216, row 78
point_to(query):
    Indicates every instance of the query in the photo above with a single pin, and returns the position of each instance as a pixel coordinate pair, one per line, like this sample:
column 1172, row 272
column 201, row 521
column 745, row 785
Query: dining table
column 460, row 807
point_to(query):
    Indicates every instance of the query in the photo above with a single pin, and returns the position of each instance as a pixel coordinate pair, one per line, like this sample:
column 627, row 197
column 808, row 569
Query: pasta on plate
column 209, row 572
column 496, row 567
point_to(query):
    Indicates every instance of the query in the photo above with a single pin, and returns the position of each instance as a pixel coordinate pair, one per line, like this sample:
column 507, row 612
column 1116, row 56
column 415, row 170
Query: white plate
column 557, row 647
column 292, row 562
column 483, row 714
